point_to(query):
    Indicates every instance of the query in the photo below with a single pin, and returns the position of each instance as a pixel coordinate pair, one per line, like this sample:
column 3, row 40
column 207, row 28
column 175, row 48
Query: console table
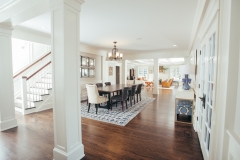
column 184, row 101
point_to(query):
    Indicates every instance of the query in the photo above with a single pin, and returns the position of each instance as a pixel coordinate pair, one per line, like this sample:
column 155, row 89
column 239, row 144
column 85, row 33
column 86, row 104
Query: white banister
column 24, row 93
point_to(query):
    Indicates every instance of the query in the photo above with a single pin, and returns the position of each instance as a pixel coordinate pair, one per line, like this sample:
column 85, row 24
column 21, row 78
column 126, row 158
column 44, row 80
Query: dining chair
column 132, row 93
column 94, row 98
column 121, row 98
column 109, row 84
column 99, row 84
column 138, row 92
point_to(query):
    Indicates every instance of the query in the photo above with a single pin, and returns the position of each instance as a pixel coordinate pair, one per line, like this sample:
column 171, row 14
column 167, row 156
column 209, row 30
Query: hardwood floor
column 152, row 134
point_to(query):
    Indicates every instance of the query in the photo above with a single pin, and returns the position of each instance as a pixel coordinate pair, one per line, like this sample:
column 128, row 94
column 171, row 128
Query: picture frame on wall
column 110, row 71
column 84, row 61
column 160, row 69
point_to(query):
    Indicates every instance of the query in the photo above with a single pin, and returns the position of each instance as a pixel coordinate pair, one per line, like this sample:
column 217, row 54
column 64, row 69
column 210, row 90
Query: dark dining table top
column 113, row 87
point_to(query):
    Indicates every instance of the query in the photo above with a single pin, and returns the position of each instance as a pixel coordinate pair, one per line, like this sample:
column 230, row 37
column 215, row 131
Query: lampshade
column 187, row 69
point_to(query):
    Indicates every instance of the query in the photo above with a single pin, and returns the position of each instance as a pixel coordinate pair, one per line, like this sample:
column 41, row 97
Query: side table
column 184, row 101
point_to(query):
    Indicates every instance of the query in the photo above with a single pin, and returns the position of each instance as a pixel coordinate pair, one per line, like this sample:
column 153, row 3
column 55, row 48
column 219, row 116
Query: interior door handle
column 203, row 99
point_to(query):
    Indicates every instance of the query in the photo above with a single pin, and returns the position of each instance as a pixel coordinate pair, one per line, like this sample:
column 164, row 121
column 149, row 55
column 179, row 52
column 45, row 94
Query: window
column 142, row 71
column 174, row 72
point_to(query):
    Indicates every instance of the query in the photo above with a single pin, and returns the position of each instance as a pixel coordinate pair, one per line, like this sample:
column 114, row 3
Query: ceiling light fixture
column 115, row 55
column 174, row 45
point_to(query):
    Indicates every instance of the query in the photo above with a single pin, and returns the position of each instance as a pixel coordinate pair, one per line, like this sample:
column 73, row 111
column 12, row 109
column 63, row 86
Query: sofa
column 167, row 83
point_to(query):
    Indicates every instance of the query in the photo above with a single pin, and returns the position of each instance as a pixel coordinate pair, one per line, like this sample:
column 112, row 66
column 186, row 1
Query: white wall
column 237, row 117
column 20, row 54
column 112, row 78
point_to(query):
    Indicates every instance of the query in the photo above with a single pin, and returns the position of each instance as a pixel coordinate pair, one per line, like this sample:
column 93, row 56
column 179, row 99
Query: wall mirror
column 84, row 72
column 84, row 61
column 91, row 62
column 91, row 72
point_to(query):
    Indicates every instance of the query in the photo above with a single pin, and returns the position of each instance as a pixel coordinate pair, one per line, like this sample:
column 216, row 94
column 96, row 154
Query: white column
column 156, row 75
column 66, row 77
column 124, row 71
column 104, row 69
column 7, row 109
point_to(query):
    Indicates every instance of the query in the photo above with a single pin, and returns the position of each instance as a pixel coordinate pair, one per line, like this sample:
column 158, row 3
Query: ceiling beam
column 23, row 10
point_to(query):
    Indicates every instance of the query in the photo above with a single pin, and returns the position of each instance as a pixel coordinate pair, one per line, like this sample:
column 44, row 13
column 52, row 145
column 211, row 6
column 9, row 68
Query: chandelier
column 115, row 55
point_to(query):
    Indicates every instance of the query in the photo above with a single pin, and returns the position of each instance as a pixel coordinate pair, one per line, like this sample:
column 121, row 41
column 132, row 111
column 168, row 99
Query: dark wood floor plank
column 152, row 134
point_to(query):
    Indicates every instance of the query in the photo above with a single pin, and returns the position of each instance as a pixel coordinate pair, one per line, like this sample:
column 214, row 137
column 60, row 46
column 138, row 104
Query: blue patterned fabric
column 184, row 107
column 116, row 115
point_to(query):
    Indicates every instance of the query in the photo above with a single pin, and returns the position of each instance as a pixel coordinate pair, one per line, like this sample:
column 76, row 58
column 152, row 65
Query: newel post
column 24, row 93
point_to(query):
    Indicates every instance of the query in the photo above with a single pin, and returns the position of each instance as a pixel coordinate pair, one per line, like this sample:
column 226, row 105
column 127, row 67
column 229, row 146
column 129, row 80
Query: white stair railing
column 29, row 70
column 36, row 85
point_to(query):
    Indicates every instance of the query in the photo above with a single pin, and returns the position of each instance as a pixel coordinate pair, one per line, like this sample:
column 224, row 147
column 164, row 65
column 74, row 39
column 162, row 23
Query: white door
column 207, row 68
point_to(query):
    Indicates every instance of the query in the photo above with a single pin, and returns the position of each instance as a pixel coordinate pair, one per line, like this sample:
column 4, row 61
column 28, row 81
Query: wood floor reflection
column 152, row 134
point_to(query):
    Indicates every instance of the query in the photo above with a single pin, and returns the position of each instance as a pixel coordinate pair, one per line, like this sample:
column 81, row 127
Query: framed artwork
column 91, row 72
column 91, row 62
column 84, row 72
column 161, row 69
column 110, row 71
column 84, row 61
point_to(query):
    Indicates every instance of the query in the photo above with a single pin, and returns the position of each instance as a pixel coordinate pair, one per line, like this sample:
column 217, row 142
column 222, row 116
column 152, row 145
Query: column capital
column 5, row 29
column 76, row 4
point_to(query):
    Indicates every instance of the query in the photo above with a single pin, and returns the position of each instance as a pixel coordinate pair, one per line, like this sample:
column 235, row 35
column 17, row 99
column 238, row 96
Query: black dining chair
column 121, row 98
column 138, row 92
column 109, row 84
column 131, row 93
column 99, row 84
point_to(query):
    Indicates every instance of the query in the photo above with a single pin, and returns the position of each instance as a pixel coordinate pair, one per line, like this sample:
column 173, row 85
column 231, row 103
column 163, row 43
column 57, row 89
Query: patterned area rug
column 116, row 115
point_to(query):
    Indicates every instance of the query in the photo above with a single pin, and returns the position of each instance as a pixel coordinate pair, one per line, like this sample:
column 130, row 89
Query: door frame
column 210, row 30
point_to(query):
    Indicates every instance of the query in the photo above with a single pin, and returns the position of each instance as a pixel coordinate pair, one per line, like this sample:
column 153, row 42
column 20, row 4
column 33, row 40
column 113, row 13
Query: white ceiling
column 137, row 25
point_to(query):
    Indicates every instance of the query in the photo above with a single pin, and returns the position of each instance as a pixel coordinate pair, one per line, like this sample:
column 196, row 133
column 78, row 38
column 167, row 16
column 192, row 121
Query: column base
column 5, row 125
column 76, row 154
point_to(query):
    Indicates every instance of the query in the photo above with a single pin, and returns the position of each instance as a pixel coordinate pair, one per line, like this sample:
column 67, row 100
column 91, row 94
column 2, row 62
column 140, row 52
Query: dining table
column 107, row 90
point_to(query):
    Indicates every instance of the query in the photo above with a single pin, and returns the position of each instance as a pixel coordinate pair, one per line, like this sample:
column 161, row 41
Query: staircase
column 36, row 89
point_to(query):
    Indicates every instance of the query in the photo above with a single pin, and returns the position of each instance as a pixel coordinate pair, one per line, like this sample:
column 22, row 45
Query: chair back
column 99, row 84
column 92, row 93
column 107, row 83
column 139, row 88
column 133, row 90
column 125, row 93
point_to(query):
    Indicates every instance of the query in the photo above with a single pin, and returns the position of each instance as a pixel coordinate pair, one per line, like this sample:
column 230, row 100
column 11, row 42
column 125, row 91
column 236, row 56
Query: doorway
column 117, row 75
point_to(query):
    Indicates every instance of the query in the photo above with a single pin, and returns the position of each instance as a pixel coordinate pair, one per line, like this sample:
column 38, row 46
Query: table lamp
column 186, row 70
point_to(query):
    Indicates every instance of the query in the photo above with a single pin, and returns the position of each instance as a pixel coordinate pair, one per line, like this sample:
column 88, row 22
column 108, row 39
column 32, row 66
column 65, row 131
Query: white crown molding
column 8, row 4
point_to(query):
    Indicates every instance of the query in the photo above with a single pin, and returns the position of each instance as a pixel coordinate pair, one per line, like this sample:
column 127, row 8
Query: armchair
column 93, row 97
column 166, row 83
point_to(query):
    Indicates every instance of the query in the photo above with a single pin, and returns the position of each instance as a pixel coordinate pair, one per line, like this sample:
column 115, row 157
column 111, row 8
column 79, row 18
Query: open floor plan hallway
column 152, row 134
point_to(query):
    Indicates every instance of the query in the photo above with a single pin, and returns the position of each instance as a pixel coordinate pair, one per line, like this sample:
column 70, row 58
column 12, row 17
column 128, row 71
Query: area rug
column 171, row 87
column 116, row 115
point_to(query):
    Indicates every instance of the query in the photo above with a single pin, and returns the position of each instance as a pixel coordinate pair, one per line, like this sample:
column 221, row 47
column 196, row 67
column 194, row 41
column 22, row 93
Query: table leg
column 109, row 100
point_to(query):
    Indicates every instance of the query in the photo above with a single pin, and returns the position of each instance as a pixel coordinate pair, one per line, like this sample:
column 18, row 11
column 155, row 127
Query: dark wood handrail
column 24, row 69
column 39, row 70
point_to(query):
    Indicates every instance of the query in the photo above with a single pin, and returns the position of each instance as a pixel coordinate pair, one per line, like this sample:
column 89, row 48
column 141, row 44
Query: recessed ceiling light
column 43, row 27
column 174, row 45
